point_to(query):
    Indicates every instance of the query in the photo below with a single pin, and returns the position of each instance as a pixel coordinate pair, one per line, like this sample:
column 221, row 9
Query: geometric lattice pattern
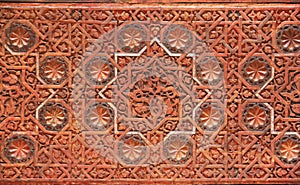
column 139, row 94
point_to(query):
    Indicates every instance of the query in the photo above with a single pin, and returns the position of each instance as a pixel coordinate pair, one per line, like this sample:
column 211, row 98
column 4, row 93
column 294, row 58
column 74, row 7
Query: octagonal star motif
column 152, row 90
column 150, row 100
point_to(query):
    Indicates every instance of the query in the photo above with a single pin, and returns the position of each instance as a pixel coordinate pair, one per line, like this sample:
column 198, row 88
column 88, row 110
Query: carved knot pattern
column 19, row 149
column 256, row 116
column 178, row 39
column 132, row 38
column 288, row 148
column 132, row 150
column 99, row 116
column 53, row 116
column 209, row 116
column 256, row 71
column 19, row 37
column 209, row 71
column 53, row 70
column 178, row 149
column 288, row 38
column 144, row 102
column 99, row 70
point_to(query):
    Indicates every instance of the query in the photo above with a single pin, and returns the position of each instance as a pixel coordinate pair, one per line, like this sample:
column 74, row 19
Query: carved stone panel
column 140, row 94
